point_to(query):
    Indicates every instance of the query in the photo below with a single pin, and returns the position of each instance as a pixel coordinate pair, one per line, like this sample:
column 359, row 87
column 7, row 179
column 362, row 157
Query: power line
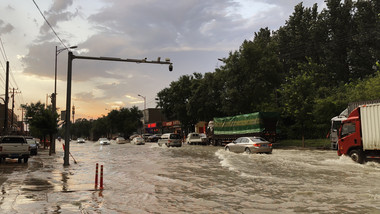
column 50, row 25
column 3, row 51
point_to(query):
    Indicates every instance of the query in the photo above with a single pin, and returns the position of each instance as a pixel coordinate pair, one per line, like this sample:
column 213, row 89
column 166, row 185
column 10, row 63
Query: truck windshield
column 347, row 129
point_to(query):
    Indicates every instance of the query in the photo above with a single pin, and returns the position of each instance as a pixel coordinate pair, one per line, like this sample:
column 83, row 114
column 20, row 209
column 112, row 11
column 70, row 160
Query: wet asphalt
column 39, row 186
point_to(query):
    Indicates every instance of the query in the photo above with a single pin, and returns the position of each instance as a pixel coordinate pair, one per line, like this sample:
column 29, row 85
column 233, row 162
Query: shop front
column 171, row 127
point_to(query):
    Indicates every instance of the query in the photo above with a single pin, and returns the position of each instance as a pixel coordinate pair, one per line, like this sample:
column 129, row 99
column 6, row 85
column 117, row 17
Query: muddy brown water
column 191, row 179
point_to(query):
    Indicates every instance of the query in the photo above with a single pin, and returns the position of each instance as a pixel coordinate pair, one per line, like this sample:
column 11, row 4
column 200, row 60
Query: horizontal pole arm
column 121, row 60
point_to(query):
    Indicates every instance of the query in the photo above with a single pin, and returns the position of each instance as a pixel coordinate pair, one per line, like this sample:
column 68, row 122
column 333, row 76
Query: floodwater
column 191, row 179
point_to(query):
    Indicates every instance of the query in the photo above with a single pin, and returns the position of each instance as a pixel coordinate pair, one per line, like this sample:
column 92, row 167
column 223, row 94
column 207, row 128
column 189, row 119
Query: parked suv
column 14, row 147
column 170, row 139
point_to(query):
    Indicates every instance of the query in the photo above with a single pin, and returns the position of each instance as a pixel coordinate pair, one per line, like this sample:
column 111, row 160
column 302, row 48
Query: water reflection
column 199, row 179
column 64, row 180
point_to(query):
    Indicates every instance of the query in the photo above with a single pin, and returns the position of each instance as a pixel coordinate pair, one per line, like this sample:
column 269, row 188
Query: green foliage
column 322, row 143
column 42, row 121
column 309, row 70
column 123, row 122
column 81, row 128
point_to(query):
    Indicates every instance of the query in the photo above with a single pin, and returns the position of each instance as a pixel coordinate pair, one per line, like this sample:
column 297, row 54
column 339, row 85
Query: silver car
column 104, row 141
column 249, row 145
column 80, row 140
column 170, row 139
column 138, row 141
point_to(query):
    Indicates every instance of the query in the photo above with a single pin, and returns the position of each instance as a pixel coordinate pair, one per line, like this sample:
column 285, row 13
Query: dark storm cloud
column 194, row 23
column 57, row 13
column 193, row 33
column 60, row 5
column 5, row 28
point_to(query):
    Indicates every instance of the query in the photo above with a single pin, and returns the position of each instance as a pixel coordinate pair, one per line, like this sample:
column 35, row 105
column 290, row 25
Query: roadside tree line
column 43, row 123
column 308, row 70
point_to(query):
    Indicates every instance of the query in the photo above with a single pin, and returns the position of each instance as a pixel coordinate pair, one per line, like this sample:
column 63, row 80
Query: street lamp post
column 144, row 100
column 57, row 51
column 144, row 110
column 54, row 95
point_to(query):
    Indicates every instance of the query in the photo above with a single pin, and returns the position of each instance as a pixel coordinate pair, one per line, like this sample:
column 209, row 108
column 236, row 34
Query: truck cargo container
column 359, row 135
column 223, row 130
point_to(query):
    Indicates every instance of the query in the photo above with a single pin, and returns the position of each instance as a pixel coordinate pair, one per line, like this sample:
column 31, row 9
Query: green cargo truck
column 223, row 130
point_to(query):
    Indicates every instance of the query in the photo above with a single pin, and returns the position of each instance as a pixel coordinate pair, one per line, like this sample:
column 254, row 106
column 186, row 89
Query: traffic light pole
column 71, row 57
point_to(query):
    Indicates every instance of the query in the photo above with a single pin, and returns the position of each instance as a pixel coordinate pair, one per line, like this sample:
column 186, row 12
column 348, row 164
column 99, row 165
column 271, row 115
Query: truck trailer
column 223, row 130
column 359, row 135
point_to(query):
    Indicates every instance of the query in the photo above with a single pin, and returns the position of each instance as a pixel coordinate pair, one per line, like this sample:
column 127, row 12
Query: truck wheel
column 227, row 149
column 357, row 156
column 25, row 160
column 247, row 150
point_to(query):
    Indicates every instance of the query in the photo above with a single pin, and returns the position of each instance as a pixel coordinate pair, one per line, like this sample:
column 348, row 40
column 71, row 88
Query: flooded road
column 191, row 179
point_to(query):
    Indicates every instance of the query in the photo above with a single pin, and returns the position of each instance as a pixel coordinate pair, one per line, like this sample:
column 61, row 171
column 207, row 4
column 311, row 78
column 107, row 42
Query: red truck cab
column 359, row 135
column 349, row 134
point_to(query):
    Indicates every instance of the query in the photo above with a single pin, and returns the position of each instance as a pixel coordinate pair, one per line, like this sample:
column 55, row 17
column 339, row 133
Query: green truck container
column 223, row 130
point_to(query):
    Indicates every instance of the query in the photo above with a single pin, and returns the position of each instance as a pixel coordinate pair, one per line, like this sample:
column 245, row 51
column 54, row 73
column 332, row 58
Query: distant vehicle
column 225, row 130
column 170, row 139
column 80, row 140
column 104, row 141
column 33, row 144
column 154, row 138
column 120, row 140
column 145, row 136
column 203, row 138
column 138, row 141
column 133, row 136
column 14, row 147
column 193, row 139
column 249, row 145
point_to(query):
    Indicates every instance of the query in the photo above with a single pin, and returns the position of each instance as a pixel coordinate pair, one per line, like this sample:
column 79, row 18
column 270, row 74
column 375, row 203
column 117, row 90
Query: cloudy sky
column 192, row 33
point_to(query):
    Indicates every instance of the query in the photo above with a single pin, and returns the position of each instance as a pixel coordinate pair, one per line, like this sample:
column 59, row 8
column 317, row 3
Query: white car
column 170, row 139
column 104, row 141
column 193, row 139
column 138, row 141
column 120, row 140
column 80, row 140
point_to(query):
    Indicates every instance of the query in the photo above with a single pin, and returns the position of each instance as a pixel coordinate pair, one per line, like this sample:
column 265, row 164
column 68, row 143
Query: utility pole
column 13, row 103
column 6, row 100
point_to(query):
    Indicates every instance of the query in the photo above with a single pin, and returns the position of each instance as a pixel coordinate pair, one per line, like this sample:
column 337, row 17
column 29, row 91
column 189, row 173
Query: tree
column 81, row 128
column 251, row 76
column 124, row 121
column 299, row 94
column 174, row 100
column 42, row 121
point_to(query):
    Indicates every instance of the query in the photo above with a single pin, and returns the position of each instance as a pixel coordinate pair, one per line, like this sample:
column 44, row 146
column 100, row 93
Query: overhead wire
column 51, row 27
column 12, row 83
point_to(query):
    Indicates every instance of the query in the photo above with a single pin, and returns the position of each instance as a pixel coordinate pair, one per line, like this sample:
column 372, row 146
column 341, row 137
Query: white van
column 170, row 139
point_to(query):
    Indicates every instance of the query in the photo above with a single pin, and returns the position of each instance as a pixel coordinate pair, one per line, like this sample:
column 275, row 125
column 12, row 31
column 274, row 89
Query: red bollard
column 96, row 176
column 101, row 177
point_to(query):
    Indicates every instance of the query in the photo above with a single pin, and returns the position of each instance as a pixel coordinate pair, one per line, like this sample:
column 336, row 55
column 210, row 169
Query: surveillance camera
column 170, row 67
